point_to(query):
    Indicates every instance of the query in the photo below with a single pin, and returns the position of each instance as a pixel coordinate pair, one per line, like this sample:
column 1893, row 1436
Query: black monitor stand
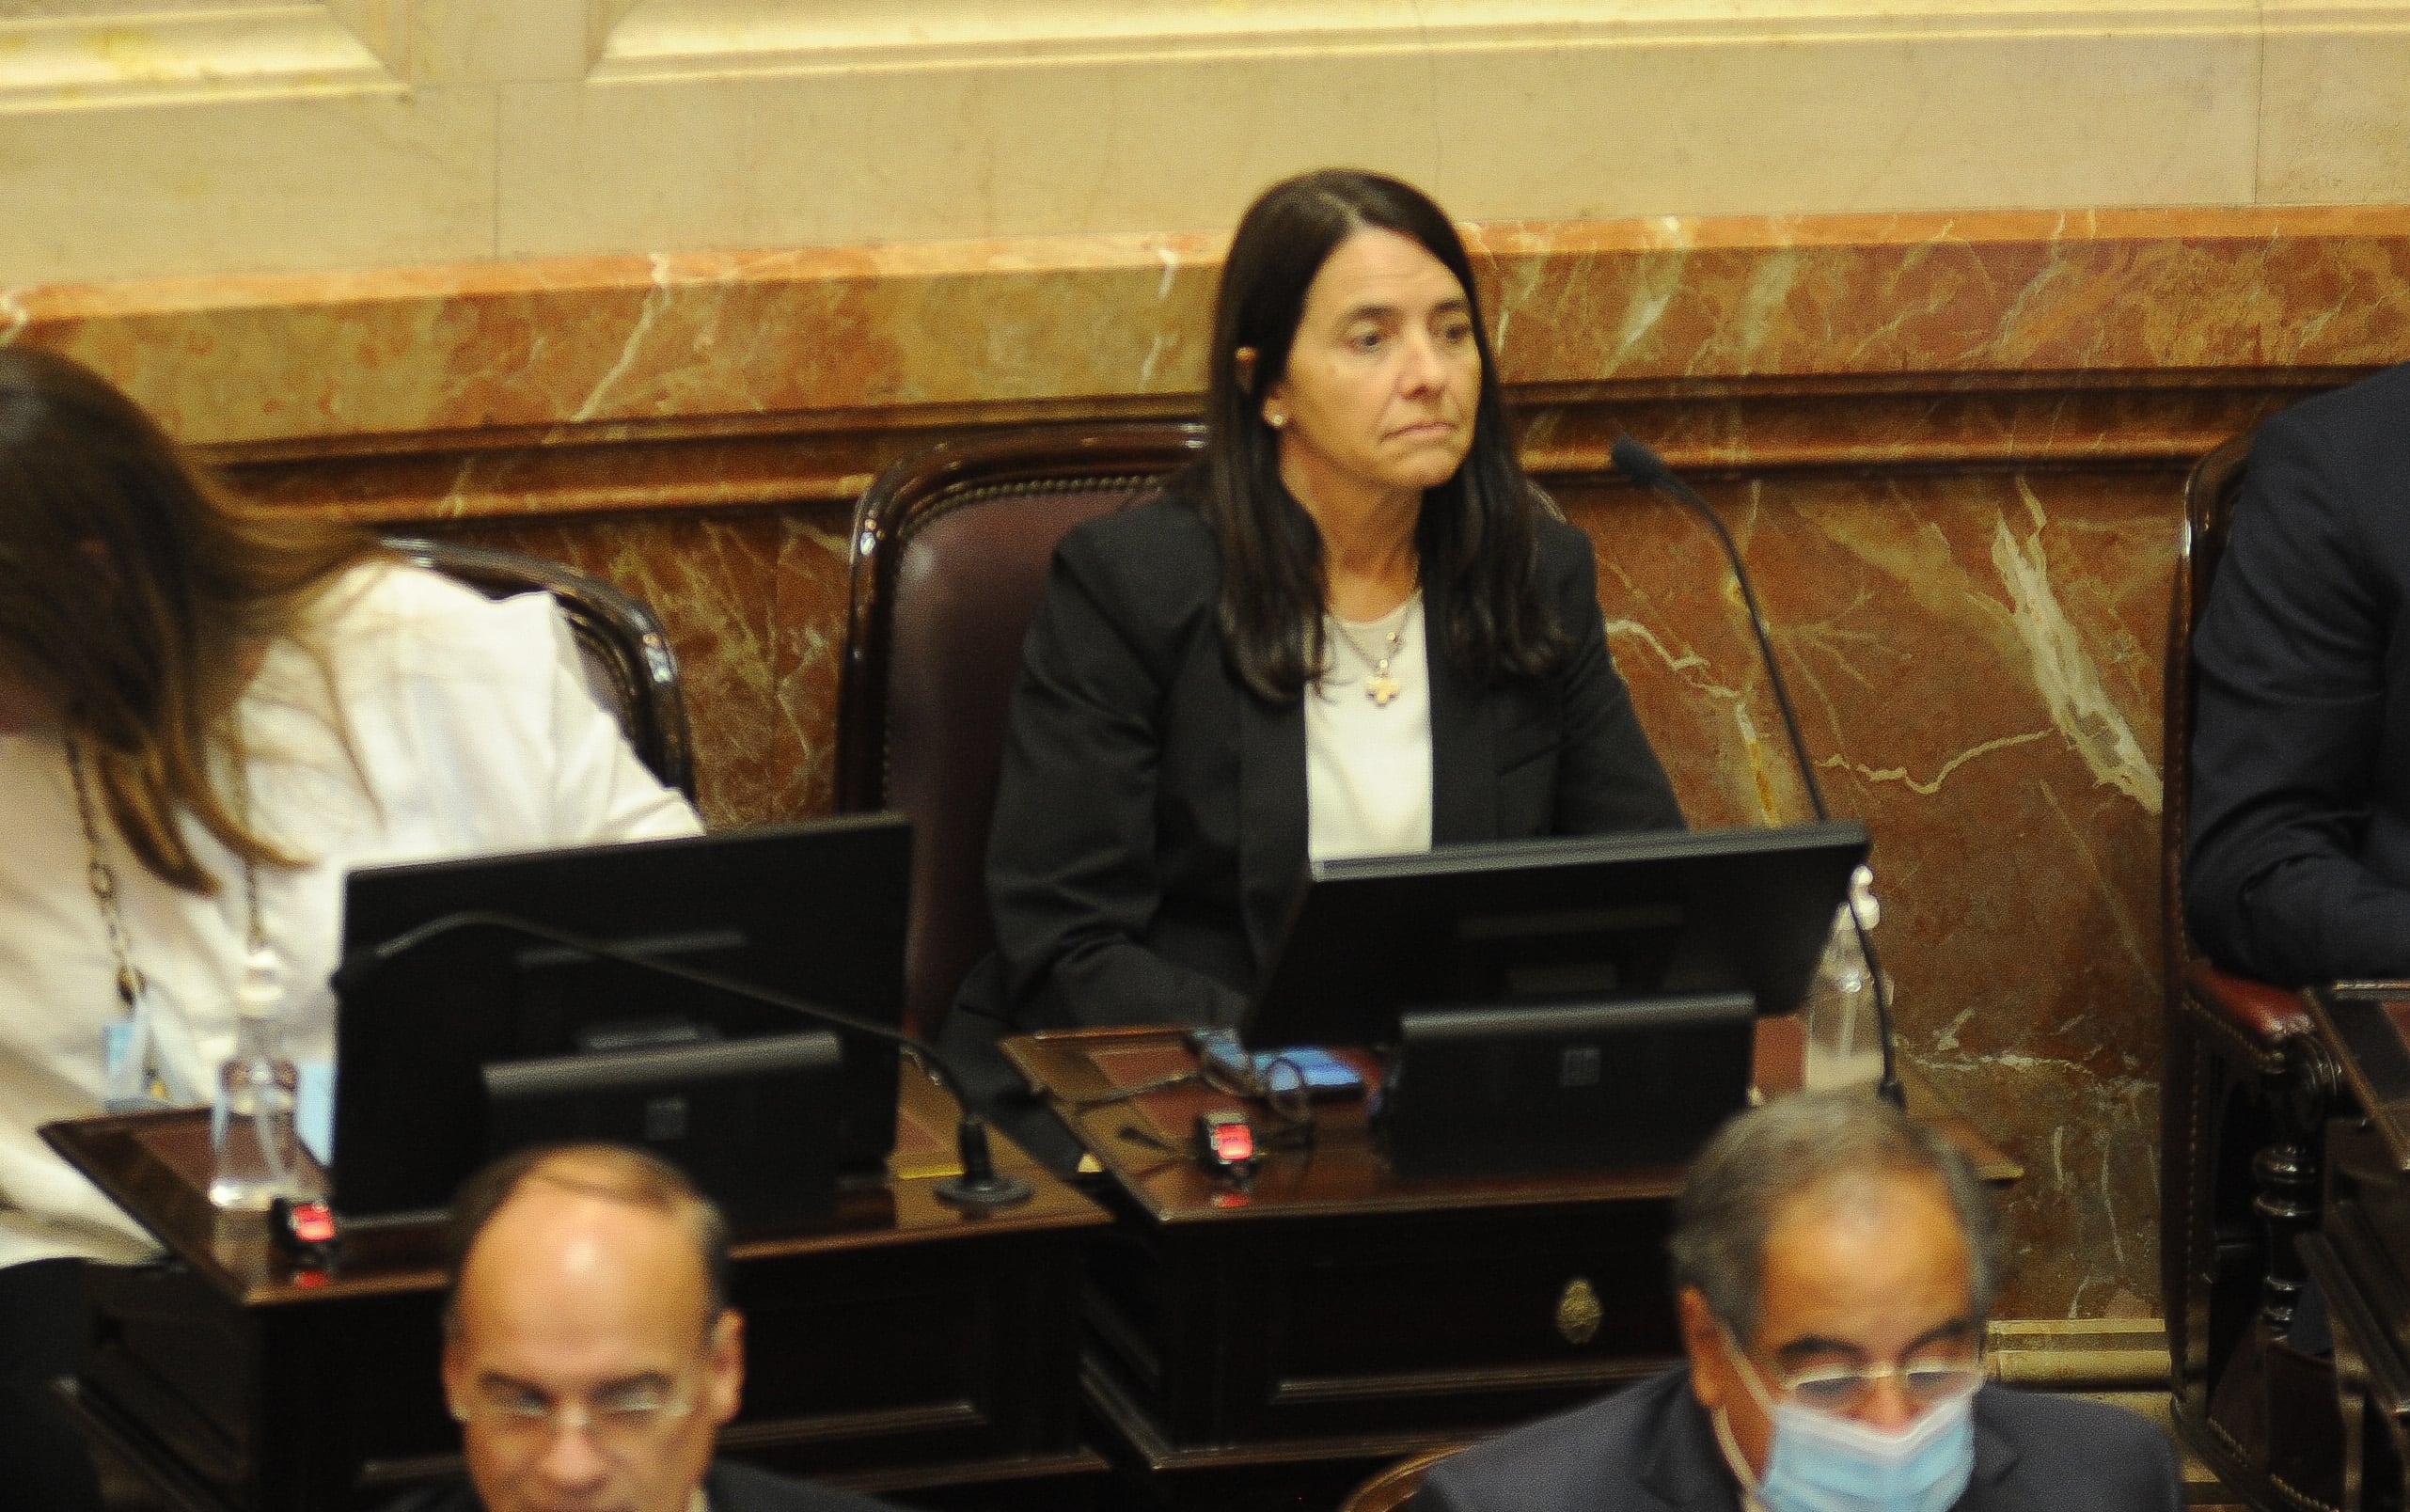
column 713, row 1106
column 1598, row 1085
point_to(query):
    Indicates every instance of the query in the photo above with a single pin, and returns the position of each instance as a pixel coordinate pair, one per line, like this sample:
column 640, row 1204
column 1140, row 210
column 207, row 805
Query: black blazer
column 1652, row 1448
column 2298, row 866
column 1150, row 817
column 727, row 1486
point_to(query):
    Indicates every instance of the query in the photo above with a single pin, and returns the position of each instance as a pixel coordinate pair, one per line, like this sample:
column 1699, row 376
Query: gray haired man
column 1832, row 1265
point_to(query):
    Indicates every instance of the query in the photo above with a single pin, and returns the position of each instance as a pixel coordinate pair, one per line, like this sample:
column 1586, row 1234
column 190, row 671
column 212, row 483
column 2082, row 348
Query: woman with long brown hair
column 1354, row 628
column 209, row 714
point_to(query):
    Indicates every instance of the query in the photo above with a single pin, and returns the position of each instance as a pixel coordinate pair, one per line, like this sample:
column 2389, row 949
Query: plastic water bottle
column 1844, row 1027
column 260, row 1155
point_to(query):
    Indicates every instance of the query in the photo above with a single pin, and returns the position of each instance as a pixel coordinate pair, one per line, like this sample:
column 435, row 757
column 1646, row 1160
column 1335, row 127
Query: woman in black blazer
column 1356, row 585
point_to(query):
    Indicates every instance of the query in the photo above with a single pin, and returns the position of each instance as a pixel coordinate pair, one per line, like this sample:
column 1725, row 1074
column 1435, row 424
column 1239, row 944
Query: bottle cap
column 263, row 988
column 1861, row 898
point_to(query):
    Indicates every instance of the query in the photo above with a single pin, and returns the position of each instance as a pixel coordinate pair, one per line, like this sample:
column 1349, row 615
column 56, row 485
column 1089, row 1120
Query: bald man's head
column 613, row 1172
column 589, row 1355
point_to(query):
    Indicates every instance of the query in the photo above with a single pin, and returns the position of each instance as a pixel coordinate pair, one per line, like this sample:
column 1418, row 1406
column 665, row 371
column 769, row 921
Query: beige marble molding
column 86, row 55
column 1935, row 310
column 659, row 37
column 161, row 136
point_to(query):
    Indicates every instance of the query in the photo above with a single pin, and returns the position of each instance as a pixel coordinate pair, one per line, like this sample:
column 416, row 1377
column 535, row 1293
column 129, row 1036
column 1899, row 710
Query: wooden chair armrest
column 2265, row 1016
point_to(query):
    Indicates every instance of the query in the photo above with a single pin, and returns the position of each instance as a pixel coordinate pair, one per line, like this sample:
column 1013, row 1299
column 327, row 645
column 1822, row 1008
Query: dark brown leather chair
column 628, row 663
column 950, row 558
column 2245, row 1092
column 1394, row 1487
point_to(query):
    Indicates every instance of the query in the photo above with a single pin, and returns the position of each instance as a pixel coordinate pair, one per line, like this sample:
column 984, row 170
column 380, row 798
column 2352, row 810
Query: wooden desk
column 907, row 1347
column 2358, row 1257
column 1248, row 1347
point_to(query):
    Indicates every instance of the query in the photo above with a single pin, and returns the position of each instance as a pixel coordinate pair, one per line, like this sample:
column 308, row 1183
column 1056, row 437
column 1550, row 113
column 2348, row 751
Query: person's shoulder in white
column 484, row 685
column 426, row 610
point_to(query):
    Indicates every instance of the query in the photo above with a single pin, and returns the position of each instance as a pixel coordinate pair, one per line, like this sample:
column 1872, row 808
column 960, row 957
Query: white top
column 474, row 732
column 1367, row 764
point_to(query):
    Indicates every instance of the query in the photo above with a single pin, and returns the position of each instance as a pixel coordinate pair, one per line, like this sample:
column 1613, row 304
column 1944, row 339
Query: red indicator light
column 312, row 1223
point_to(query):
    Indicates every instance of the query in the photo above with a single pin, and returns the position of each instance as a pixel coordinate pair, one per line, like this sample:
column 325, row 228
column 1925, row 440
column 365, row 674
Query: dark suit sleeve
column 2164, row 1484
column 731, row 1487
column 2070, row 1455
column 1434, row 1495
column 1608, row 775
column 448, row 1496
column 1447, row 1491
column 2290, row 655
column 1072, row 872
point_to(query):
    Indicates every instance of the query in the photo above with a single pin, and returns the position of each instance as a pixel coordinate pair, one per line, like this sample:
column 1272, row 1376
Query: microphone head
column 1636, row 461
column 354, row 968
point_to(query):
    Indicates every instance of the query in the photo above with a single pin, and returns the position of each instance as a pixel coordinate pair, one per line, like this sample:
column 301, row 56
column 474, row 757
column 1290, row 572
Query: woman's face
column 1384, row 377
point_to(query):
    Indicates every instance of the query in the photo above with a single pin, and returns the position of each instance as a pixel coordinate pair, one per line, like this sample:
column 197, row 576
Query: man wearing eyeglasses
column 589, row 1352
column 1832, row 1262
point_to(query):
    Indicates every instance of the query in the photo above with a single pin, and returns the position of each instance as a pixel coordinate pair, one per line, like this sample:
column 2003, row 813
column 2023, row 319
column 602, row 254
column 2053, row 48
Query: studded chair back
column 950, row 556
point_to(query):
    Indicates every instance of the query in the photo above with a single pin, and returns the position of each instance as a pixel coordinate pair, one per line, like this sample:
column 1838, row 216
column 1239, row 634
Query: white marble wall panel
column 2335, row 104
column 294, row 181
column 1547, row 119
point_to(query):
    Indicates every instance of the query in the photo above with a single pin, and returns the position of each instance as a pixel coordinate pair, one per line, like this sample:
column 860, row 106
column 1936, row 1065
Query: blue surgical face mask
column 1823, row 1463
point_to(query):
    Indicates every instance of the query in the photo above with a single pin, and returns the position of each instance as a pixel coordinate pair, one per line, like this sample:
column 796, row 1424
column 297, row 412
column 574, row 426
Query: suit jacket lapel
column 1686, row 1469
column 1994, row 1456
column 1271, row 817
column 1464, row 756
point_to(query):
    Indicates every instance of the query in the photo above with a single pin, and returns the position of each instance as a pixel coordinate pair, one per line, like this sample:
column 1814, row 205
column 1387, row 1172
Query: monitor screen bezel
column 1367, row 937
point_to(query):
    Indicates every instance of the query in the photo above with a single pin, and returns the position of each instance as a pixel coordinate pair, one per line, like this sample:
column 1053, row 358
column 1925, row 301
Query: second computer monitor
column 814, row 911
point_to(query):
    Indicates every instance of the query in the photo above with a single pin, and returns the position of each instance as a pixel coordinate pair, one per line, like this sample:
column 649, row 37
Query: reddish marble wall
column 1951, row 448
column 1975, row 660
column 1975, row 655
column 755, row 606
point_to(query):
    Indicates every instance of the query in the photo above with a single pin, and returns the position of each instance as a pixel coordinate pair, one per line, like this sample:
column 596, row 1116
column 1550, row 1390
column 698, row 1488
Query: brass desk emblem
column 1578, row 1312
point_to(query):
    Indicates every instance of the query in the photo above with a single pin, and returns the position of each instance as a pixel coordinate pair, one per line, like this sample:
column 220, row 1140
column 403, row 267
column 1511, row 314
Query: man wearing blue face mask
column 1832, row 1262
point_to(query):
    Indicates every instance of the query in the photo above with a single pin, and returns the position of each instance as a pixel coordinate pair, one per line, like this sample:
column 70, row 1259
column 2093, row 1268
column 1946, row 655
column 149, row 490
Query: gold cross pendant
column 1381, row 687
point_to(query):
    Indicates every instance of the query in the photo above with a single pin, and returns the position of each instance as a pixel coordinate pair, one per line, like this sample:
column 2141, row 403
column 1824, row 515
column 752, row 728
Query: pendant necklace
column 103, row 879
column 1379, row 685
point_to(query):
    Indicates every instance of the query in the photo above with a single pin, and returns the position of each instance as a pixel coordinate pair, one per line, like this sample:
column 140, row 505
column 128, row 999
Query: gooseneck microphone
column 1643, row 467
column 980, row 1186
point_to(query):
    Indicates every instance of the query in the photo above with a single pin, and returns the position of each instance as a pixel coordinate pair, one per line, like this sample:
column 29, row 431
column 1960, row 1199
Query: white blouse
column 471, row 729
column 1367, row 763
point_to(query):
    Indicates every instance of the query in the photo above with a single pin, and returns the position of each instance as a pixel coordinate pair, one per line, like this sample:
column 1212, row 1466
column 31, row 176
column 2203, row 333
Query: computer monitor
column 450, row 1051
column 1647, row 914
column 1575, row 1002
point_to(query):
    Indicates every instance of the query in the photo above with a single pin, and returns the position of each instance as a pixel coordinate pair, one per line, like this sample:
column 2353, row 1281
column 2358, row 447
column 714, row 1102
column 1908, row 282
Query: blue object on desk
column 313, row 1114
column 1322, row 1073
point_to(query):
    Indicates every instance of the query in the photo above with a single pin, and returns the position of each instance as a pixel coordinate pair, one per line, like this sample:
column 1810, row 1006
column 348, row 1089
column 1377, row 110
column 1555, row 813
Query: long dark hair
column 1476, row 539
column 137, row 594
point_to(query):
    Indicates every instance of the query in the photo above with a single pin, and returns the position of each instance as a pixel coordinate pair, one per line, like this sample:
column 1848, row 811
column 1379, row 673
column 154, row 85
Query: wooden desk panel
column 1250, row 1346
column 906, row 1346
